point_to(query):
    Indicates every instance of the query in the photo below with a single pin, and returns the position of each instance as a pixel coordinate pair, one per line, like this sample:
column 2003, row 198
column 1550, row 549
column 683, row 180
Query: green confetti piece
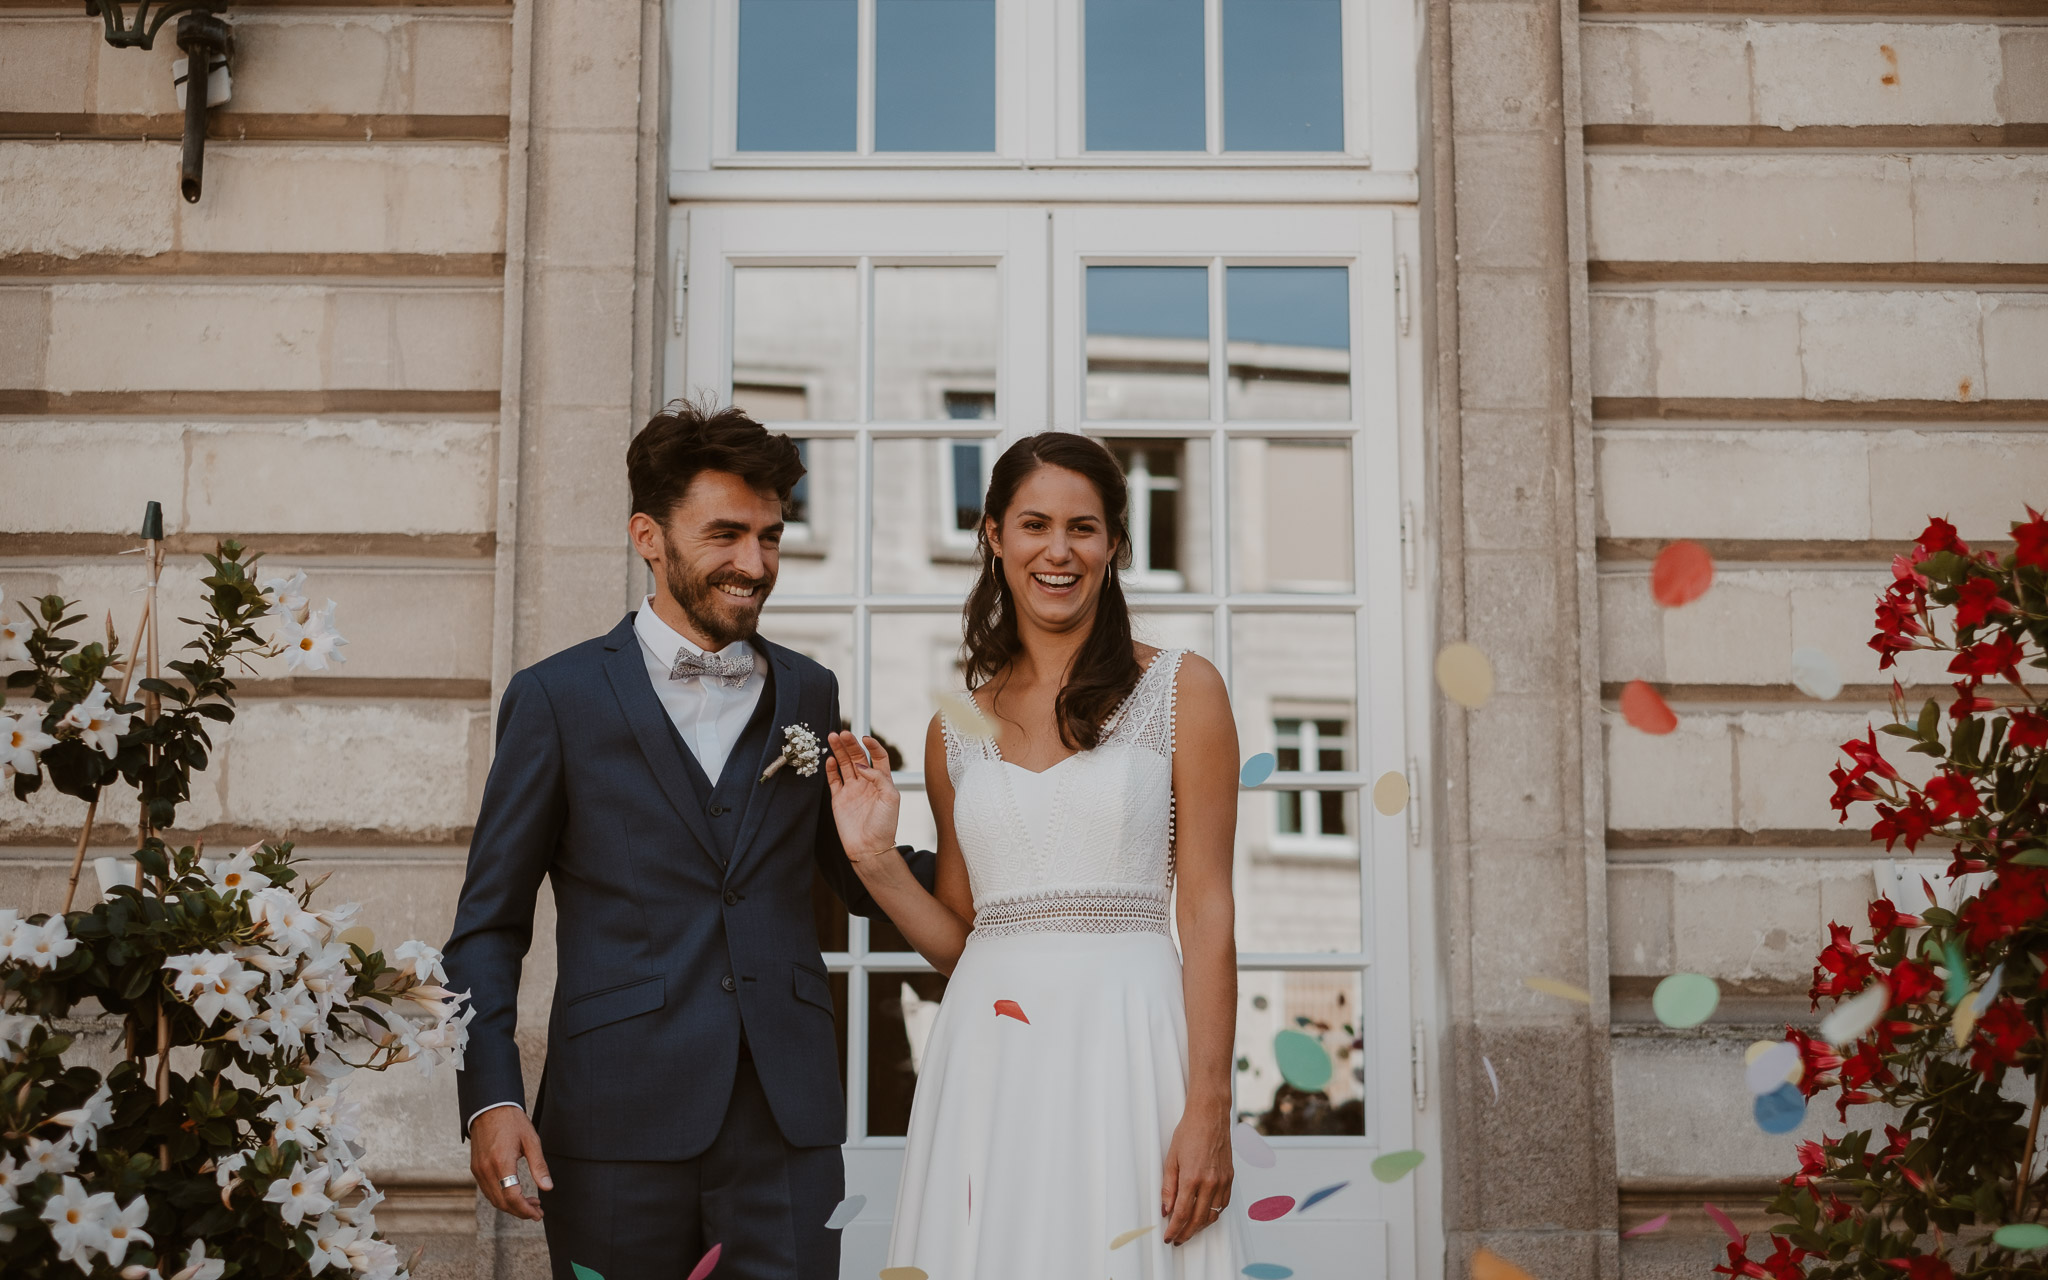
column 2021, row 1235
column 582, row 1272
column 1303, row 1061
column 1685, row 999
column 1958, row 972
column 1396, row 1165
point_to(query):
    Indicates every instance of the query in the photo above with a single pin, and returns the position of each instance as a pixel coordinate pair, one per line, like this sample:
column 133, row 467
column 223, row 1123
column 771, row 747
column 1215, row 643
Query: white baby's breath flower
column 41, row 945
column 98, row 724
column 799, row 748
column 300, row 1193
column 313, row 643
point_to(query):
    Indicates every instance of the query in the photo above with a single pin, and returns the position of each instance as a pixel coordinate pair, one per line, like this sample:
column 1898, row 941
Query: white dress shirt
column 710, row 714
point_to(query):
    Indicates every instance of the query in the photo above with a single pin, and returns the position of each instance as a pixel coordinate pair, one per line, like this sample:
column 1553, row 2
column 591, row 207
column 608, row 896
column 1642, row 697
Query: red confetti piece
column 1725, row 1222
column 707, row 1263
column 1645, row 708
column 1011, row 1009
column 1655, row 1224
column 1682, row 574
column 1270, row 1208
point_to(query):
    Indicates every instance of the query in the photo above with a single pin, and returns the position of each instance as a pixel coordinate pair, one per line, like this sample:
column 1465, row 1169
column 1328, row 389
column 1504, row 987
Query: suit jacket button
column 731, row 898
column 728, row 983
column 718, row 811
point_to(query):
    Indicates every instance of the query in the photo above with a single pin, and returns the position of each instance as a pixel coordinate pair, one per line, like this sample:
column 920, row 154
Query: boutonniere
column 800, row 748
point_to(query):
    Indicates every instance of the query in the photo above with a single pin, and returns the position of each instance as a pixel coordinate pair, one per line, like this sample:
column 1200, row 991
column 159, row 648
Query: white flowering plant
column 222, row 1143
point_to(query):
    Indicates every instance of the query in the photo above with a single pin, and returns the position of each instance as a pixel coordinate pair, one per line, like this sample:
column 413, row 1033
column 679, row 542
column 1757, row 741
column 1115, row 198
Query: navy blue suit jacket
column 589, row 788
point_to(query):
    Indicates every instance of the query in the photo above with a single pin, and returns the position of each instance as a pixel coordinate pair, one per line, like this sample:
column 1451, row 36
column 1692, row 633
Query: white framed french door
column 1242, row 364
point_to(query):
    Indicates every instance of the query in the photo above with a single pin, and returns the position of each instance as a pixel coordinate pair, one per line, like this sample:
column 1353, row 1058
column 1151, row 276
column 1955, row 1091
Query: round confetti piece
column 1847, row 1021
column 1317, row 1197
column 1685, row 999
column 1781, row 1110
column 1390, row 793
column 1304, row 1063
column 1267, row 1271
column 2021, row 1235
column 707, row 1264
column 1011, row 1009
column 1487, row 1265
column 1252, row 1147
column 1645, row 708
column 1815, row 674
column 1257, row 769
column 848, row 1210
column 903, row 1273
column 1129, row 1236
column 358, row 935
column 1270, row 1208
column 1651, row 1227
column 1682, row 573
column 1552, row 987
column 1464, row 674
column 1777, row 1067
column 1396, row 1165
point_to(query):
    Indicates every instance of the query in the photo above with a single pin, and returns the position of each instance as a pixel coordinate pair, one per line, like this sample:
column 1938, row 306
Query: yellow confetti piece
column 1128, row 1236
column 1553, row 987
column 1965, row 1019
column 1390, row 793
column 359, row 936
column 965, row 716
column 1465, row 675
column 904, row 1273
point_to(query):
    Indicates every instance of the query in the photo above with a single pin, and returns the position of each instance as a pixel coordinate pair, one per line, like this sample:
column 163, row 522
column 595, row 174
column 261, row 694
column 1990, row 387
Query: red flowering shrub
column 1966, row 989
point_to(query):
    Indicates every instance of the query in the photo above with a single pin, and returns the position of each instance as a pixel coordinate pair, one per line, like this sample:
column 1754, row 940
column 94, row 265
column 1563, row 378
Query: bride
column 1072, row 1115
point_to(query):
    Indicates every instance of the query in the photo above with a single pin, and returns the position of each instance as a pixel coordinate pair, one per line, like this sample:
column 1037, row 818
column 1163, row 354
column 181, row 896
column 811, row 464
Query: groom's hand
column 497, row 1139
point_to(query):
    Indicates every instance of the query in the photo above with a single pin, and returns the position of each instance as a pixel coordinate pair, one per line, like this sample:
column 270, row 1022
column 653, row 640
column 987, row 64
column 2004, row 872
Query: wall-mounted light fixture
column 208, row 44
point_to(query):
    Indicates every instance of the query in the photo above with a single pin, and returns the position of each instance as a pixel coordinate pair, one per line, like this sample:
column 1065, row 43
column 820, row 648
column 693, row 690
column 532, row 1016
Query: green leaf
column 1930, row 722
column 1900, row 731
column 2035, row 857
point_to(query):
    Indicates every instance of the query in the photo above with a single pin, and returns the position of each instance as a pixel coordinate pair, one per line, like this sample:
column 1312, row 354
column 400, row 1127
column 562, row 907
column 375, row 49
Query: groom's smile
column 715, row 557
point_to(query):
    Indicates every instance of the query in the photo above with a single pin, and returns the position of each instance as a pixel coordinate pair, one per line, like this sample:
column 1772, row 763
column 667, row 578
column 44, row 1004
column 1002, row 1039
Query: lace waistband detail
column 1074, row 912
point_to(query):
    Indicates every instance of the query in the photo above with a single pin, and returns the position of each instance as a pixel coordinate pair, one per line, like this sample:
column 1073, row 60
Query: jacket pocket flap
column 595, row 1010
column 813, row 987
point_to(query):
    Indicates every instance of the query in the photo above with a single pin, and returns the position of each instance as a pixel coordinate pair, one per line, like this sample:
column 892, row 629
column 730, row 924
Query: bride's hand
column 1196, row 1187
column 864, row 797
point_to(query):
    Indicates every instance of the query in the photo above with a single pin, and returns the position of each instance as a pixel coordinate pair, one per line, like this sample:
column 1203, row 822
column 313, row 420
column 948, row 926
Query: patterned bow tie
column 730, row 665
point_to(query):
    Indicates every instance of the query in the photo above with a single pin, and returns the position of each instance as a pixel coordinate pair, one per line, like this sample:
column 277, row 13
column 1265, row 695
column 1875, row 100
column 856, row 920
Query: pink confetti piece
column 1270, row 1208
column 1011, row 1009
column 707, row 1263
column 1651, row 1227
column 1725, row 1222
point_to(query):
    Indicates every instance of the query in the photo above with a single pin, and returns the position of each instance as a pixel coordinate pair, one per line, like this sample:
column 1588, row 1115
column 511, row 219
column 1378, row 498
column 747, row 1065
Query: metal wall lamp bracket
column 208, row 43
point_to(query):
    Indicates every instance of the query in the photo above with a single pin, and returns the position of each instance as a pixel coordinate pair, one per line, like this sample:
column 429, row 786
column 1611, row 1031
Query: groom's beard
column 718, row 617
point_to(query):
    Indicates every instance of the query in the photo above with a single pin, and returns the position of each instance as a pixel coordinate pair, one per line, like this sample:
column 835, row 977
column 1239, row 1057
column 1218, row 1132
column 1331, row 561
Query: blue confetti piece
column 1268, row 1271
column 1781, row 1110
column 1317, row 1197
column 1257, row 769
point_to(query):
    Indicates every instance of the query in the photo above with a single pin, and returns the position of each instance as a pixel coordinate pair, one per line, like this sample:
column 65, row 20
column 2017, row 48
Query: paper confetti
column 1552, row 987
column 1270, row 1208
column 1317, row 1197
column 1487, row 1265
column 1645, row 708
column 1847, row 1021
column 582, row 1272
column 1965, row 1020
column 1492, row 1076
column 1396, row 1165
column 1815, row 674
column 1724, row 1222
column 848, row 1210
column 1775, row 1068
column 1390, row 793
column 359, row 935
column 1651, row 1227
column 707, row 1263
column 1464, row 674
column 1781, row 1110
column 1685, row 999
column 965, row 715
column 1257, row 769
column 1958, row 972
column 1011, row 1009
column 1681, row 574
column 1128, row 1236
column 903, row 1273
column 1304, row 1063
column 1267, row 1271
column 2021, row 1235
column 1252, row 1147
column 1991, row 984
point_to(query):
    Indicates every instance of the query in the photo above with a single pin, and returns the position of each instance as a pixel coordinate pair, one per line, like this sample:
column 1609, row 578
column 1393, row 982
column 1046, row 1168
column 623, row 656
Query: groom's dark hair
column 687, row 437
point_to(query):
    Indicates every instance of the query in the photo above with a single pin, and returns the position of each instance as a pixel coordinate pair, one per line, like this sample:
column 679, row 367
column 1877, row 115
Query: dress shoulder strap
column 1146, row 717
column 963, row 746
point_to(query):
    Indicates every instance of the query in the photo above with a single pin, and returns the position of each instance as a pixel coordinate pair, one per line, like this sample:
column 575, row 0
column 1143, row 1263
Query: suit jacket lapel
column 627, row 671
column 760, row 795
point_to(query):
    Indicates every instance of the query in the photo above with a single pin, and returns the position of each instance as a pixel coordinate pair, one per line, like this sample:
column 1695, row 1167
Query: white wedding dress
column 1036, row 1142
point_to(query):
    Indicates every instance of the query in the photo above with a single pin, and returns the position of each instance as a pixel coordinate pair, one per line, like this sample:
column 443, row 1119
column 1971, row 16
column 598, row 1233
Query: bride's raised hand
column 865, row 801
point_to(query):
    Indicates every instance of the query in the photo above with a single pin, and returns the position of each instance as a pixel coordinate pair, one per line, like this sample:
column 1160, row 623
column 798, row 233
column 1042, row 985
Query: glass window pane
column 1323, row 1007
column 796, row 342
column 1290, row 512
column 901, row 1008
column 1145, row 75
column 796, row 90
column 935, row 75
column 1283, row 75
column 1195, row 632
column 1169, row 512
column 927, row 501
column 916, row 655
column 818, row 541
column 1290, row 343
column 1148, row 342
column 936, row 334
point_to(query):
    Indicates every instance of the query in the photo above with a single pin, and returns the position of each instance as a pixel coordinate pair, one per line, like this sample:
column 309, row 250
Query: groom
column 691, row 1092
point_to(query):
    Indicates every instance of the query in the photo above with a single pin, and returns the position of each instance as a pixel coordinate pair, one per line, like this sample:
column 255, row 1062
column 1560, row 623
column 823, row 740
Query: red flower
column 1925, row 1267
column 1952, row 796
column 1849, row 789
column 1940, row 535
column 2017, row 898
column 1977, row 600
column 1783, row 1264
column 1884, row 917
column 2002, row 1031
column 1910, row 824
column 1817, row 1061
column 1897, row 624
column 1904, row 575
column 1868, row 757
column 1847, row 969
column 1998, row 656
column 2032, row 540
column 2028, row 729
column 1813, row 1163
column 1911, row 980
column 1967, row 702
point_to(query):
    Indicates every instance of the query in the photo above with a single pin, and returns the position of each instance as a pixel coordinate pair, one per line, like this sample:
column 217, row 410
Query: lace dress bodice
column 1087, row 845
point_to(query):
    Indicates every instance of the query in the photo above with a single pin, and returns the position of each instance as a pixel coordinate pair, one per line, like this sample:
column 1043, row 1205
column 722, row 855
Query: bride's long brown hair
column 1105, row 670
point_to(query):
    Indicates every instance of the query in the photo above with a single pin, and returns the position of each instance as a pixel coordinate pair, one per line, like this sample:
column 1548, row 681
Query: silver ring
column 509, row 1180
column 1216, row 1208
